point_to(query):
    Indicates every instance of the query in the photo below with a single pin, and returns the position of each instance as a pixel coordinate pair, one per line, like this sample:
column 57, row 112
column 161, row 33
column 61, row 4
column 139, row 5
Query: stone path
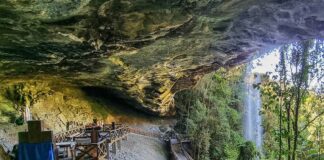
column 139, row 147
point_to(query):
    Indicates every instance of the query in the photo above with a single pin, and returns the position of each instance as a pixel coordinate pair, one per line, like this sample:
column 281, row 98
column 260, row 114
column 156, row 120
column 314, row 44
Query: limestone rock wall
column 52, row 100
column 145, row 51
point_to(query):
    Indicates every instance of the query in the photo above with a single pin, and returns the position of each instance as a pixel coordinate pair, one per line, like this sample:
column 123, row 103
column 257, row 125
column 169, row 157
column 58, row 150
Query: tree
column 300, row 66
column 247, row 151
column 209, row 115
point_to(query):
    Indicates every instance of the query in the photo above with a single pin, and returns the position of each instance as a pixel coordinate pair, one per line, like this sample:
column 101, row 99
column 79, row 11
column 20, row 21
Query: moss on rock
column 58, row 102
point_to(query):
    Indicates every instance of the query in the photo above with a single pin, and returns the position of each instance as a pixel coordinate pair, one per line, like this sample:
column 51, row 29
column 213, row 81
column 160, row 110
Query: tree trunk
column 280, row 130
column 288, row 132
column 301, row 79
column 296, row 133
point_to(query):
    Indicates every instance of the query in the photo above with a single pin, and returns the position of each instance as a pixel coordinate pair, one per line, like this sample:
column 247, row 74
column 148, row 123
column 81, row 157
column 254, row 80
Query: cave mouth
column 118, row 105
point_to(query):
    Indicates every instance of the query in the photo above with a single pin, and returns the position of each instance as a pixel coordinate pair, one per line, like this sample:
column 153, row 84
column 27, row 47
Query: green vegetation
column 25, row 94
column 293, row 104
column 210, row 115
column 7, row 112
column 247, row 151
column 15, row 97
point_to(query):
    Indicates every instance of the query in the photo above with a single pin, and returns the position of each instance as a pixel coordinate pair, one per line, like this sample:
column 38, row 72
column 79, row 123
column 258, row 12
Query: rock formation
column 145, row 51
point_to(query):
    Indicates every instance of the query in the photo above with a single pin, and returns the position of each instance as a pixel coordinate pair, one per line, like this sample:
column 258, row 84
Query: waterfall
column 27, row 114
column 252, row 124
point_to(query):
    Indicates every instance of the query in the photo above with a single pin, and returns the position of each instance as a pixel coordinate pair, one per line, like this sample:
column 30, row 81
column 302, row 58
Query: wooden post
column 107, row 149
column 94, row 136
column 113, row 126
column 114, row 148
column 73, row 152
column 119, row 144
column 95, row 139
column 97, row 152
column 124, row 131
column 56, row 152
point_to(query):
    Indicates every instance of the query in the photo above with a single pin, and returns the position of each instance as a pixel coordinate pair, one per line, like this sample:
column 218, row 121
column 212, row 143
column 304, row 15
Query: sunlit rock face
column 145, row 50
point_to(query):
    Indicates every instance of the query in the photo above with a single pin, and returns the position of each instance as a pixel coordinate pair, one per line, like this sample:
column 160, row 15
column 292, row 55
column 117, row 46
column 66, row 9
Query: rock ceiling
column 144, row 51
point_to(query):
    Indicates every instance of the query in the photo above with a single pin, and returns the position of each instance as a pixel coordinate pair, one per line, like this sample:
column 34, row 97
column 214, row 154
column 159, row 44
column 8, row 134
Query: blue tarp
column 36, row 151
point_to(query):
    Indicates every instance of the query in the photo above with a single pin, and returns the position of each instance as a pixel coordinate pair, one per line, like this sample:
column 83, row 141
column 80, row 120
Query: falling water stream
column 252, row 123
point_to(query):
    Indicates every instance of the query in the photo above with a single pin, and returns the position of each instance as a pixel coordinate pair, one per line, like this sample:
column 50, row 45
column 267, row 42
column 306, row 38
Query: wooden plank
column 63, row 144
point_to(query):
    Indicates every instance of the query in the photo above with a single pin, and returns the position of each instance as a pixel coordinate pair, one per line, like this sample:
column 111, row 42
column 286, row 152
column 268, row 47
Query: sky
column 268, row 62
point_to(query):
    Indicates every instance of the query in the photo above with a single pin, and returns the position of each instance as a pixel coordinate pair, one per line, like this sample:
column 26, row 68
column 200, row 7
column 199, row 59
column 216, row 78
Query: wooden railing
column 91, row 141
column 145, row 133
column 176, row 146
column 61, row 136
column 111, row 134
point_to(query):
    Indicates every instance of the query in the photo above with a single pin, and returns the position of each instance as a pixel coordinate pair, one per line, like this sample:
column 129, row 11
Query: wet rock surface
column 144, row 51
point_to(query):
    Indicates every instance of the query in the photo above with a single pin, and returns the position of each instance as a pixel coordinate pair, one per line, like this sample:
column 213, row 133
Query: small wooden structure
column 35, row 133
column 35, row 143
column 91, row 142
